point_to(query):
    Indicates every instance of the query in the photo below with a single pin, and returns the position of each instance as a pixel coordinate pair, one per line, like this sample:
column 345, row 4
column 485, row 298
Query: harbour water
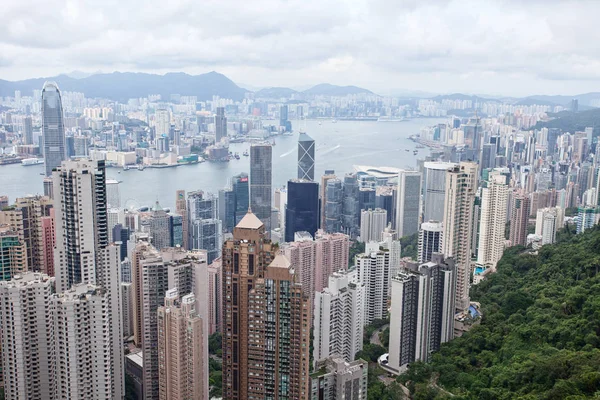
column 339, row 146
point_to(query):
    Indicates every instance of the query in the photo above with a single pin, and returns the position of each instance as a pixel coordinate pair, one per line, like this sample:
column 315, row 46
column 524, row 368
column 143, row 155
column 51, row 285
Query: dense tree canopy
column 539, row 338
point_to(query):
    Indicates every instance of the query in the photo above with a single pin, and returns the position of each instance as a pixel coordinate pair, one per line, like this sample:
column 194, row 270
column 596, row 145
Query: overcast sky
column 508, row 47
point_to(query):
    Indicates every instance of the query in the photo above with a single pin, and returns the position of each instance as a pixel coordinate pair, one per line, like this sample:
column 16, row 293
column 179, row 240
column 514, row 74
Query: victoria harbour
column 344, row 143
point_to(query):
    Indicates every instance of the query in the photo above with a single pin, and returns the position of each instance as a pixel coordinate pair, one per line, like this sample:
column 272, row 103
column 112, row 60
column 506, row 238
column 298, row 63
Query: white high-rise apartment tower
column 162, row 122
column 27, row 336
column 83, row 255
column 338, row 317
column 461, row 184
column 547, row 222
column 372, row 224
column 84, row 366
column 494, row 201
column 373, row 270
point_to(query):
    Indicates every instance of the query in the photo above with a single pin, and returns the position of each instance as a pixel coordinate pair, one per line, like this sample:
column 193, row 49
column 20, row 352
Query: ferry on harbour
column 32, row 161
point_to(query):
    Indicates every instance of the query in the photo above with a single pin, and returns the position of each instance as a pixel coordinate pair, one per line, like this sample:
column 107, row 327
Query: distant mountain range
column 585, row 100
column 122, row 86
column 323, row 89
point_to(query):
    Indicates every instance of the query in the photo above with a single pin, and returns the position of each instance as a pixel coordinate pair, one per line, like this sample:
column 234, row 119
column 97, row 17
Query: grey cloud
column 543, row 40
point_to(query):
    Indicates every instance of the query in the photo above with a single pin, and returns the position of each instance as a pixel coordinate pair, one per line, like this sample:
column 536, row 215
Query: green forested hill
column 539, row 338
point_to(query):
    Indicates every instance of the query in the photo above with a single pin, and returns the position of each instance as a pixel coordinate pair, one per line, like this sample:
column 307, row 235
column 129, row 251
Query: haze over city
column 496, row 47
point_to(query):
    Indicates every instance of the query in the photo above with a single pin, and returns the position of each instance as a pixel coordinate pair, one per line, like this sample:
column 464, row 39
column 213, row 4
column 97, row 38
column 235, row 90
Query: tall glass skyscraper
column 261, row 175
column 53, row 128
column 302, row 211
column 306, row 157
column 242, row 194
column 333, row 206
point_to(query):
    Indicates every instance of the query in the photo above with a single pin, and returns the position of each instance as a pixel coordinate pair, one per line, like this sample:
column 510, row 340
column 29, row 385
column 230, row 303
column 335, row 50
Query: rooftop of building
column 280, row 261
column 379, row 172
column 27, row 278
column 136, row 358
column 250, row 221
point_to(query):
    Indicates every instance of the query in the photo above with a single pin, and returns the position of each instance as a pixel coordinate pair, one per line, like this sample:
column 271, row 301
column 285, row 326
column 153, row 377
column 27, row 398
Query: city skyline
column 320, row 241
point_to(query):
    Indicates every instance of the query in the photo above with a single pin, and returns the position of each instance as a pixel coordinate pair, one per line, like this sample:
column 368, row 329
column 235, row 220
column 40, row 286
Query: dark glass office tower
column 261, row 175
column 366, row 199
column 283, row 116
column 242, row 196
column 350, row 206
column 53, row 128
column 306, row 157
column 302, row 211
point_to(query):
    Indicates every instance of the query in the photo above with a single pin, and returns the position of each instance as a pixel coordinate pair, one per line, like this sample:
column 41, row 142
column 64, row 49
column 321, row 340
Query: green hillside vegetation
column 539, row 338
column 572, row 122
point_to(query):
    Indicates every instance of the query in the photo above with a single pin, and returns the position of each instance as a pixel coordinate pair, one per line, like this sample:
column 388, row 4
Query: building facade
column 306, row 157
column 372, row 225
column 408, row 203
column 53, row 128
column 461, row 184
column 373, row 271
column 339, row 379
column 182, row 372
column 261, row 184
column 302, row 210
column 422, row 311
column 430, row 240
column 494, row 203
column 338, row 318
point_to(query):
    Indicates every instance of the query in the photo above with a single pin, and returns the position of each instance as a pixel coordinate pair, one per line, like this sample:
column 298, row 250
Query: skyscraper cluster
column 267, row 270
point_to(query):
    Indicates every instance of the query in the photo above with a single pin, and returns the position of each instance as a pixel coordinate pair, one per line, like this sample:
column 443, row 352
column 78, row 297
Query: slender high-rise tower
column 181, row 350
column 261, row 176
column 306, row 157
column 519, row 218
column 461, row 184
column 181, row 209
column 278, row 335
column 53, row 128
column 407, row 207
column 245, row 258
column 266, row 319
column 83, row 254
column 220, row 124
column 494, row 200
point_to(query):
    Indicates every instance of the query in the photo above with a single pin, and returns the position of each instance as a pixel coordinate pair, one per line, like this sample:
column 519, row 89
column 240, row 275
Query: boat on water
column 32, row 161
column 391, row 119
